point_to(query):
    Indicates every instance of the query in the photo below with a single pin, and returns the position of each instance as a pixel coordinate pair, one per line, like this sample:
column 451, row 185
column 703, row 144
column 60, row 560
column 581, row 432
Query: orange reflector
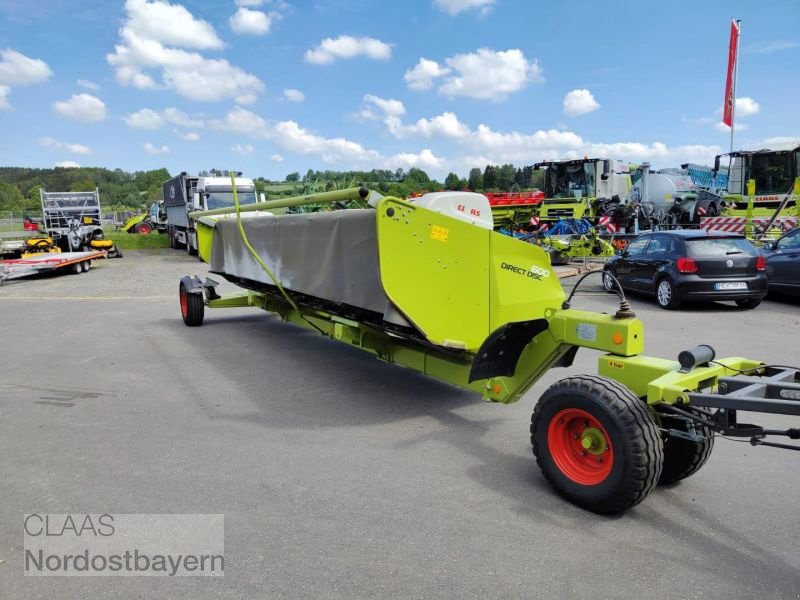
column 496, row 389
column 617, row 338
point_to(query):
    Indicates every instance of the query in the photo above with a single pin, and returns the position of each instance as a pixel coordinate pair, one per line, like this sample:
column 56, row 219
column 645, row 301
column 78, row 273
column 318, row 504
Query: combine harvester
column 428, row 286
column 758, row 198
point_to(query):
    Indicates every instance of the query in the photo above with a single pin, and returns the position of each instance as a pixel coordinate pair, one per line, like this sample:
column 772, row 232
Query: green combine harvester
column 429, row 285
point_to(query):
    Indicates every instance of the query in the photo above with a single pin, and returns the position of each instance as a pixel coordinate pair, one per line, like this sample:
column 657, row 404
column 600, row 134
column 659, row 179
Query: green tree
column 83, row 185
column 293, row 177
column 452, row 182
column 475, row 181
column 505, row 177
column 489, row 177
column 398, row 190
column 10, row 197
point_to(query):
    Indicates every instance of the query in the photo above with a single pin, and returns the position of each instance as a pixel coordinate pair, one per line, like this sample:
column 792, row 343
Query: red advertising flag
column 728, row 107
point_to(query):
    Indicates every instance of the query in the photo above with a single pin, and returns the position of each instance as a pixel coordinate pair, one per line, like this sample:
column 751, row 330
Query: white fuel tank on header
column 465, row 206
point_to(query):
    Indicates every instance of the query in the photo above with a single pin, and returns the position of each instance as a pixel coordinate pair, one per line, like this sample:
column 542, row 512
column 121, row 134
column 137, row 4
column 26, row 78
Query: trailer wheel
column 683, row 458
column 87, row 264
column 596, row 443
column 192, row 307
column 77, row 268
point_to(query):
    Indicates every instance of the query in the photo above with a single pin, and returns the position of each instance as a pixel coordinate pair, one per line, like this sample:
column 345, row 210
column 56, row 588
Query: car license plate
column 731, row 285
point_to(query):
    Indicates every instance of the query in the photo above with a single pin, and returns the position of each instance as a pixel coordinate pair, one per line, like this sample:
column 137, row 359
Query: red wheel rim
column 580, row 447
column 184, row 303
column 144, row 229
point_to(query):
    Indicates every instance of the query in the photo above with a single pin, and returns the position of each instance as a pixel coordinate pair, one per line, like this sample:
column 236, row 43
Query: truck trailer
column 184, row 194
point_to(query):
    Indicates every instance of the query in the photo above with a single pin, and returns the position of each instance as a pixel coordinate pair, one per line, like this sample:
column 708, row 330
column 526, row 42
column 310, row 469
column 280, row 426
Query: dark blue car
column 691, row 265
column 783, row 263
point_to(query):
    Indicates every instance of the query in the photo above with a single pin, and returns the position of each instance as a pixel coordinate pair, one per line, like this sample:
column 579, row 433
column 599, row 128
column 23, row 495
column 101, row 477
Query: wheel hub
column 580, row 446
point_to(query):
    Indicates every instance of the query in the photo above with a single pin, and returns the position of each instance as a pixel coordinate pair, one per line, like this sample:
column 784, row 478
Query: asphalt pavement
column 343, row 477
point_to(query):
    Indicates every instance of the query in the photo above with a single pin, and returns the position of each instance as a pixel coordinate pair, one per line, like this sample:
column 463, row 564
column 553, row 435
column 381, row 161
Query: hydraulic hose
column 258, row 258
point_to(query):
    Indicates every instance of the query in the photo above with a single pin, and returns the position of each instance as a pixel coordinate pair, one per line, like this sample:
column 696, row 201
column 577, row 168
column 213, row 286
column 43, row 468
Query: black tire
column 76, row 268
column 711, row 210
column 666, row 296
column 683, row 458
column 171, row 233
column 626, row 427
column 748, row 303
column 609, row 284
column 192, row 307
column 189, row 249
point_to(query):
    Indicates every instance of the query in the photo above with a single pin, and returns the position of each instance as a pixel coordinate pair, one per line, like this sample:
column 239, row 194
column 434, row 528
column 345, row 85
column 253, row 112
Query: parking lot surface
column 343, row 477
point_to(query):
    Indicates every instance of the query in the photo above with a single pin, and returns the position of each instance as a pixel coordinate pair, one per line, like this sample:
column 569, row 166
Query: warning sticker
column 587, row 332
column 439, row 233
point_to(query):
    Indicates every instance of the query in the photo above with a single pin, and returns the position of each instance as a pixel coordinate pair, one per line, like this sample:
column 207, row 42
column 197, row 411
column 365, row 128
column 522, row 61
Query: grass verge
column 135, row 241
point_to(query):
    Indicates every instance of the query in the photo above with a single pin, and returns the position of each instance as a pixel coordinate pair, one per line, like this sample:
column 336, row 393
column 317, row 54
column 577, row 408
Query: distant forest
column 121, row 190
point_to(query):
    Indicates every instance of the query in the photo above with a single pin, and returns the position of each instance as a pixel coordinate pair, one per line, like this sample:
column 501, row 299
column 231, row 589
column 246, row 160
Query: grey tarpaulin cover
column 331, row 255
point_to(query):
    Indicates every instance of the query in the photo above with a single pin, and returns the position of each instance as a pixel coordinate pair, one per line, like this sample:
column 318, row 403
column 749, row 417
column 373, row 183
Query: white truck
column 184, row 194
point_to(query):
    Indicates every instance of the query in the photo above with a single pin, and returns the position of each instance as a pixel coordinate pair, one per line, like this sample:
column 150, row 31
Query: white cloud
column 293, row 95
column 242, row 121
column 778, row 143
column 453, row 7
column 150, row 119
column 746, row 106
column 250, row 22
column 579, row 102
column 83, row 108
column 181, row 119
column 144, row 119
column 390, row 111
column 187, row 136
column 445, row 126
column 722, row 127
column 498, row 147
column 773, row 46
column 146, row 46
column 276, row 158
column 249, row 3
column 67, row 164
column 288, row 135
column 53, row 144
column 490, row 75
column 243, row 150
column 389, row 107
column 170, row 24
column 155, row 150
column 485, row 74
column 346, row 47
column 18, row 69
column 423, row 160
column 89, row 85
column 422, row 75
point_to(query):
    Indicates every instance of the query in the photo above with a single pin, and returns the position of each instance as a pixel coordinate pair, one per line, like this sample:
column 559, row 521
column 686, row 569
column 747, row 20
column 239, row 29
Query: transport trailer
column 423, row 284
column 64, row 262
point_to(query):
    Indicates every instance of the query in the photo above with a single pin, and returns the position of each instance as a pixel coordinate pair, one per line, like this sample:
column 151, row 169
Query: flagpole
column 735, row 77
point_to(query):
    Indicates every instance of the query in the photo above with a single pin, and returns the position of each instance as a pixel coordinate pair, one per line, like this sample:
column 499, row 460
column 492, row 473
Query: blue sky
column 270, row 86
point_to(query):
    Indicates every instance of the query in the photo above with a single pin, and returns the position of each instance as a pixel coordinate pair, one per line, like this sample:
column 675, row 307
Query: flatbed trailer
column 431, row 289
column 13, row 242
column 65, row 262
